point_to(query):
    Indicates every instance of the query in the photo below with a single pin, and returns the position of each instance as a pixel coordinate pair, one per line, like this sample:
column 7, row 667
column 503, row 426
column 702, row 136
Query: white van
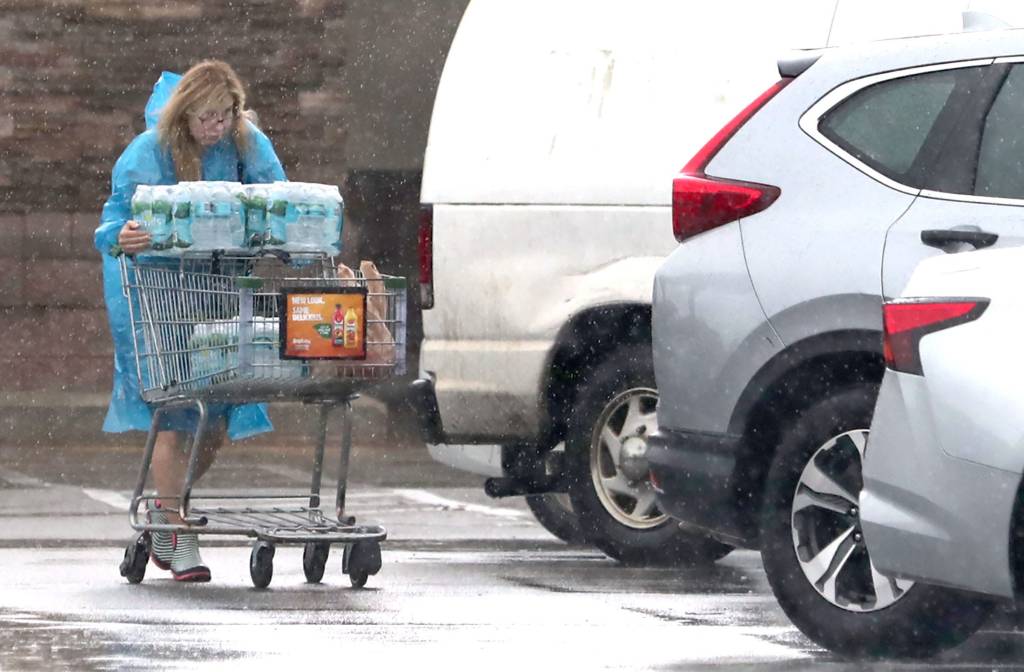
column 557, row 128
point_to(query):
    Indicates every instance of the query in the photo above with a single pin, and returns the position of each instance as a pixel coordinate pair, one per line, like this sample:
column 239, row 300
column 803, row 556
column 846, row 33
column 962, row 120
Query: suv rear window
column 889, row 124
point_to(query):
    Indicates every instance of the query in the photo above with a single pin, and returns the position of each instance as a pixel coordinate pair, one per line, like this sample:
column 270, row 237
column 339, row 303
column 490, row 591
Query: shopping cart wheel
column 361, row 560
column 136, row 557
column 314, row 560
column 261, row 563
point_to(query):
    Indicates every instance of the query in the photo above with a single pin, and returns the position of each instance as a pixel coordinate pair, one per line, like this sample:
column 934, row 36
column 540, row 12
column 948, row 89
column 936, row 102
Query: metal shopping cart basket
column 221, row 328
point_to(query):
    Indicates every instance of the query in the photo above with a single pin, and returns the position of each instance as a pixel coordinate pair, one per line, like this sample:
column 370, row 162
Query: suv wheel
column 814, row 553
column 607, row 468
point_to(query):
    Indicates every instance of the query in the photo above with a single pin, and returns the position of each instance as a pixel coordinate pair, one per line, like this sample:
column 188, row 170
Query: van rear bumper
column 423, row 400
column 483, row 459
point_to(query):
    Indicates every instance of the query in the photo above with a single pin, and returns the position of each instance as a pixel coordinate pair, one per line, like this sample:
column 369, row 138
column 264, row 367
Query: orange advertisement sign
column 323, row 323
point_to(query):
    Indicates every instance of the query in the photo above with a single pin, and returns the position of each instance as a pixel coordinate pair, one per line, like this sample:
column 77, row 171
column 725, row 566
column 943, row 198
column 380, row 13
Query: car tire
column 848, row 607
column 555, row 513
column 612, row 494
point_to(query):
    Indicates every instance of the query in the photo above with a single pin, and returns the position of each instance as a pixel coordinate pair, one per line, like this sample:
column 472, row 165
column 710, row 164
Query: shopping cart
column 221, row 328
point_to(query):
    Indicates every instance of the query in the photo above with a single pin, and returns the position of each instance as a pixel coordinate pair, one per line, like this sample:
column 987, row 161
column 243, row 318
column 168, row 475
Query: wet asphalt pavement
column 467, row 583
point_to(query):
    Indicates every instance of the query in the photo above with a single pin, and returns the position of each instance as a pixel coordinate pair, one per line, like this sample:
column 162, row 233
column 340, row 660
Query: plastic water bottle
column 295, row 226
column 301, row 227
column 237, row 215
column 277, row 213
column 334, row 206
column 254, row 200
column 181, row 203
column 142, row 205
column 161, row 223
column 230, row 227
column 202, row 215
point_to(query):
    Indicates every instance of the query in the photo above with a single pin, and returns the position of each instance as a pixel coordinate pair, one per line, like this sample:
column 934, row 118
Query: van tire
column 915, row 620
column 618, row 395
column 557, row 516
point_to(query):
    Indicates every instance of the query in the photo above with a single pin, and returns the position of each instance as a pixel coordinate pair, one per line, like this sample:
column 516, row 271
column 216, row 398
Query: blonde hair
column 206, row 84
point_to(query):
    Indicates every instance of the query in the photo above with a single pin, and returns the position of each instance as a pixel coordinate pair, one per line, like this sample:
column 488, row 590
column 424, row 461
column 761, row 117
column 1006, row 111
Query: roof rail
column 976, row 21
column 796, row 62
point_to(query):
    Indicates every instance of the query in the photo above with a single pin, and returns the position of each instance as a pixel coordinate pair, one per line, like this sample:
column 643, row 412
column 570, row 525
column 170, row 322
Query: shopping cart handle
column 282, row 255
column 251, row 282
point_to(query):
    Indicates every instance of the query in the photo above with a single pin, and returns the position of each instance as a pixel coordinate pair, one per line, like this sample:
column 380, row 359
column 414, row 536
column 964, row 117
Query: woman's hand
column 132, row 239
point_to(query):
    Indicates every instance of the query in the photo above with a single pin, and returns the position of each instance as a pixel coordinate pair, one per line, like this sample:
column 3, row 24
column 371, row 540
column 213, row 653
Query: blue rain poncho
column 145, row 161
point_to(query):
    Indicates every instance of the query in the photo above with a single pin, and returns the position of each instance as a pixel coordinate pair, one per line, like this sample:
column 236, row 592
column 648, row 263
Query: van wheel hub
column 618, row 458
column 633, row 460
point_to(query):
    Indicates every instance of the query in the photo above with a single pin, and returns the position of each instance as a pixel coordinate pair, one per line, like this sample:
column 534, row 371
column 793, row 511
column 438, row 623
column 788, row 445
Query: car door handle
column 944, row 238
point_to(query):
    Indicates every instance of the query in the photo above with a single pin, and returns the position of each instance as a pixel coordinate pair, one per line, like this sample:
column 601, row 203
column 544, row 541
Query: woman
column 204, row 133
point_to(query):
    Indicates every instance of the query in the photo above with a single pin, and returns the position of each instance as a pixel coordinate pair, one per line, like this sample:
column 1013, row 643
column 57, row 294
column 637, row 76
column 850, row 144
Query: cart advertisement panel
column 323, row 323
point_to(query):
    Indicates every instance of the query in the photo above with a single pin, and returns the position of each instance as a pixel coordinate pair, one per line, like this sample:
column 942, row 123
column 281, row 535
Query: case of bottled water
column 206, row 216
column 213, row 348
column 217, row 216
column 151, row 208
column 313, row 218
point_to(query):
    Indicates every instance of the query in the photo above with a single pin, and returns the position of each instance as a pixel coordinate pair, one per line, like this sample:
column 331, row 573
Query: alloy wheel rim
column 827, row 536
column 623, row 427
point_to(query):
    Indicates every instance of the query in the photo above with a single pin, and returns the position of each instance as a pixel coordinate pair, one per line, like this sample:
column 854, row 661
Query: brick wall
column 77, row 76
column 52, row 325
column 74, row 79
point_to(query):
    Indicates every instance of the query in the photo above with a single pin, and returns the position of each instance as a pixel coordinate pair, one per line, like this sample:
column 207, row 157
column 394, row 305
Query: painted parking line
column 121, row 501
column 22, row 480
column 431, row 499
column 109, row 497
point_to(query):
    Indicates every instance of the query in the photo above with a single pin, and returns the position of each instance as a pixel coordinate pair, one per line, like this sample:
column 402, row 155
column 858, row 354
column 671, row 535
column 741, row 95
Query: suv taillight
column 426, row 249
column 907, row 321
column 700, row 202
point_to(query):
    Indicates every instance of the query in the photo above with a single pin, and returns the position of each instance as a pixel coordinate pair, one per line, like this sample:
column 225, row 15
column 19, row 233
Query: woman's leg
column 170, row 463
column 179, row 552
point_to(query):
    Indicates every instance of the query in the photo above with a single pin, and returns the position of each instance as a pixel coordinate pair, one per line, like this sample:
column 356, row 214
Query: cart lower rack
column 245, row 328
